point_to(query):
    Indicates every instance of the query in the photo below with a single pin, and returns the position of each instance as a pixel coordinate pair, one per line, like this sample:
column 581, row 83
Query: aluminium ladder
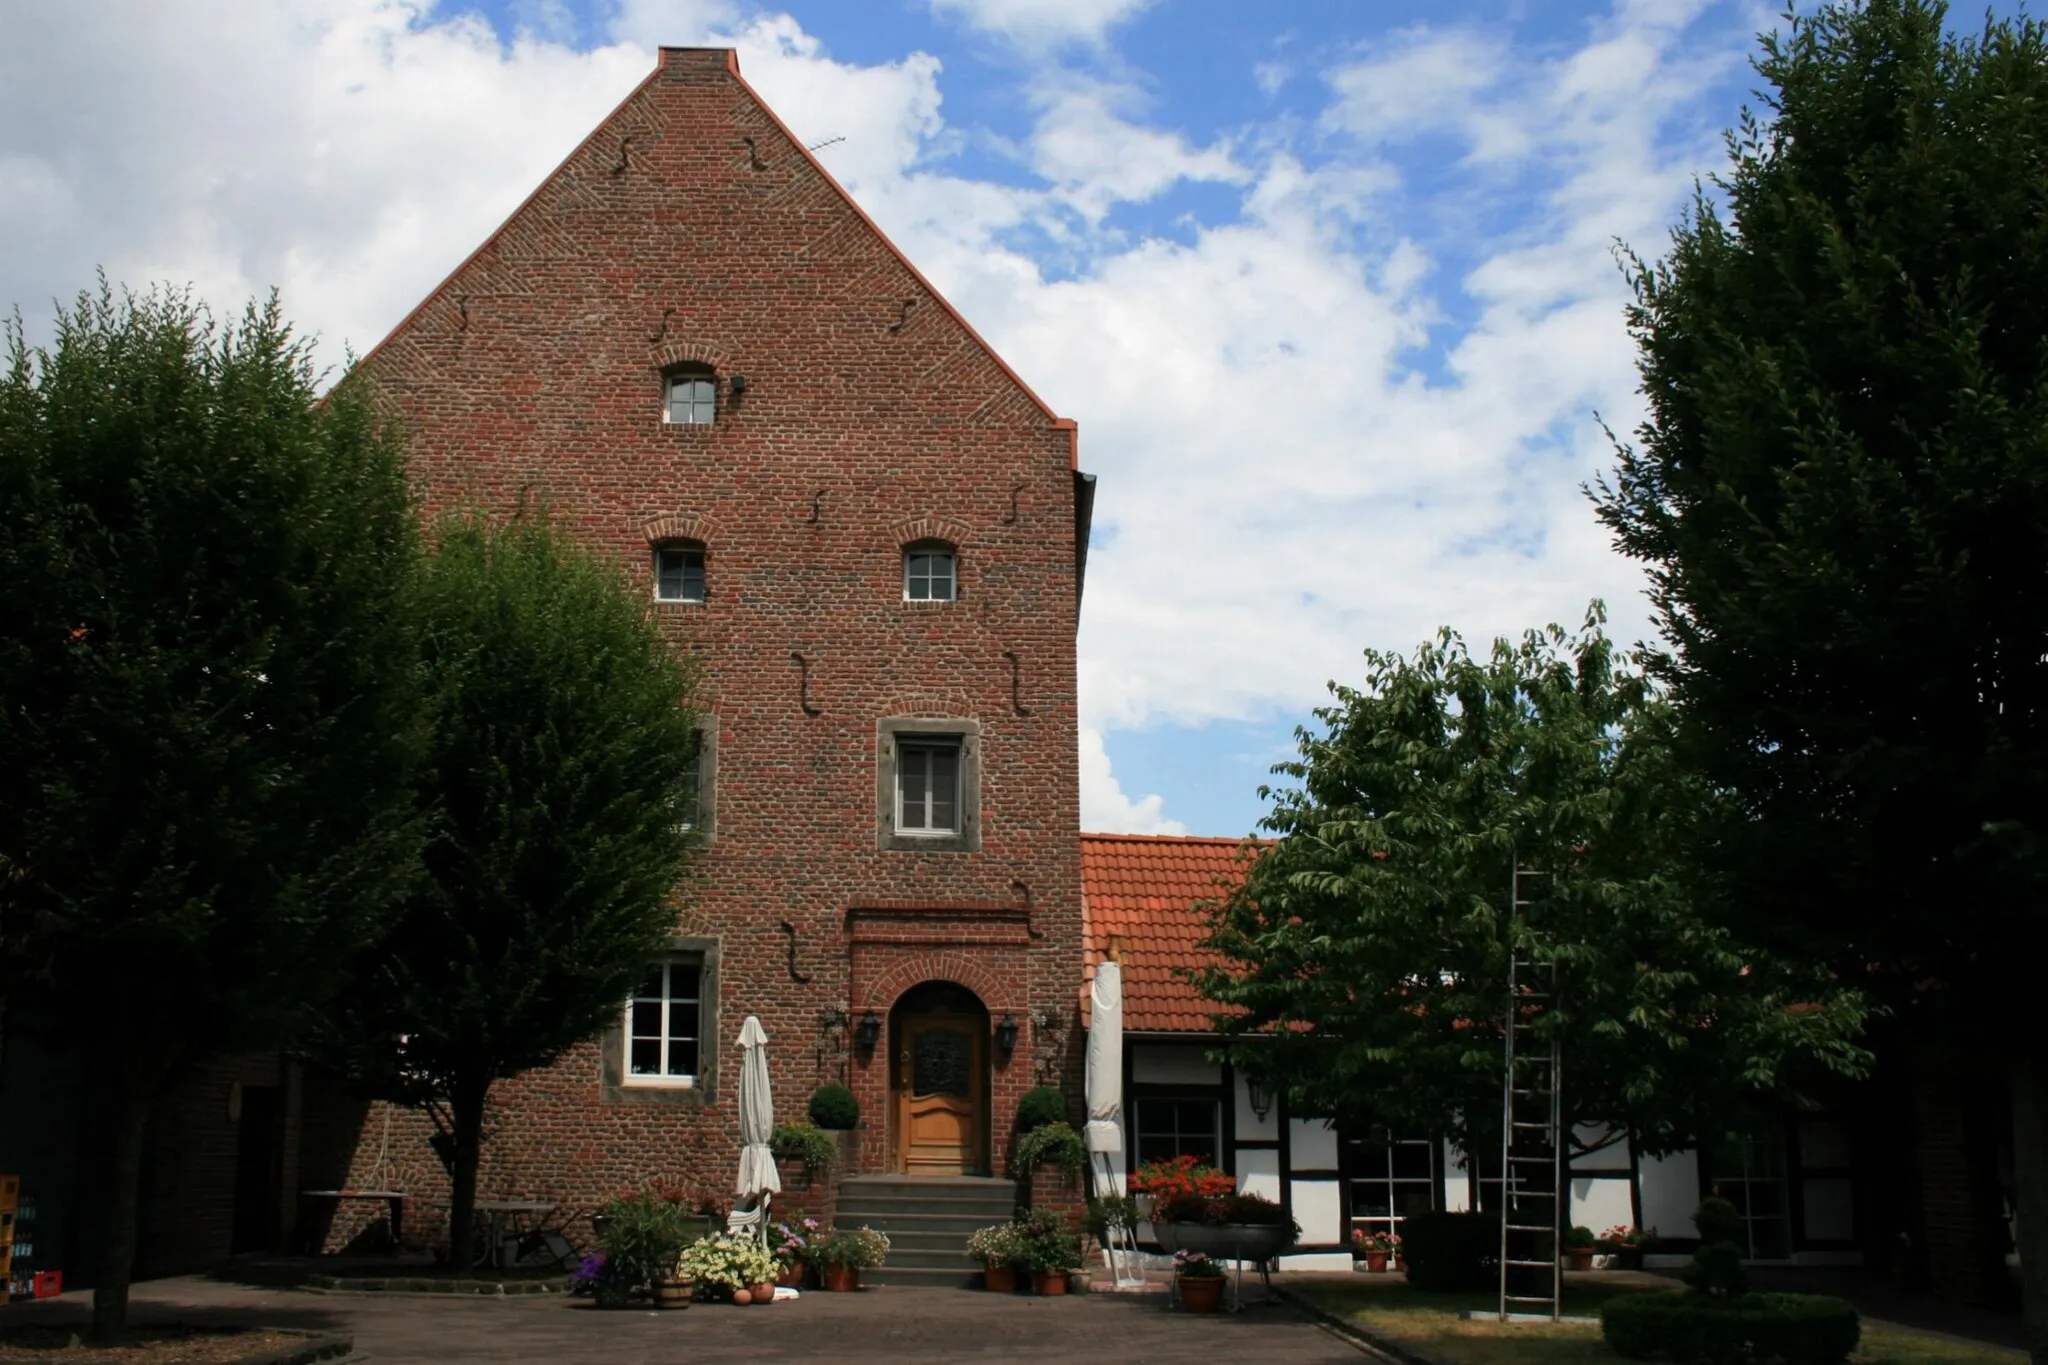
column 1531, row 1145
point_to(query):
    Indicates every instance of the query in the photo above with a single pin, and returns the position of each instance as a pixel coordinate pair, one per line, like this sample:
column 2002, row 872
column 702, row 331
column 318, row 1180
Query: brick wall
column 692, row 227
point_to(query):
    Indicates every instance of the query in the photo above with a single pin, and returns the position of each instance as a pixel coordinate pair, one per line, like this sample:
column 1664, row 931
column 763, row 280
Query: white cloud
column 1300, row 454
column 1037, row 23
column 1104, row 807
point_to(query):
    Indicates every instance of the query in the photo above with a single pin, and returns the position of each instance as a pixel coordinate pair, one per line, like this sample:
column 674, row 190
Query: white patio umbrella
column 1105, row 1093
column 758, row 1179
column 1105, row 1088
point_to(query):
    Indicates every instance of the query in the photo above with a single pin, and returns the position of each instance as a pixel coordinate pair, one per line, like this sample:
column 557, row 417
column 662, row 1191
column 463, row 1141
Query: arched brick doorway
column 939, row 1082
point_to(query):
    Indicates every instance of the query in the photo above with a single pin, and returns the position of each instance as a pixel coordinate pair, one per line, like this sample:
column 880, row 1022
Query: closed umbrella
column 757, row 1179
column 1105, row 1094
column 1105, row 1087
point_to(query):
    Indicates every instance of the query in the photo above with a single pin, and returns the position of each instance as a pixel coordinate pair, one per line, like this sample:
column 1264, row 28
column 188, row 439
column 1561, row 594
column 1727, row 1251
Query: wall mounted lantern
column 1006, row 1035
column 867, row 1032
column 1261, row 1099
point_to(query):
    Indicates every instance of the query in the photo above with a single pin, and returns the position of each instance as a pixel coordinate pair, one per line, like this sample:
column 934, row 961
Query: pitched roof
column 1147, row 889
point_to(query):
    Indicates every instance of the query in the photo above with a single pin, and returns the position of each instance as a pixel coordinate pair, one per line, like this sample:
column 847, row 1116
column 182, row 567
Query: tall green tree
column 556, row 783
column 1841, row 493
column 1367, row 949
column 206, row 701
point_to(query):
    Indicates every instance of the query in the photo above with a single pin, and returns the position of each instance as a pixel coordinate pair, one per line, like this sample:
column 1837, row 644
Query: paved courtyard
column 892, row 1325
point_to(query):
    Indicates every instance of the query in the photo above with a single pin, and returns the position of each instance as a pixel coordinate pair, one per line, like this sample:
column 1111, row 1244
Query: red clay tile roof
column 1145, row 888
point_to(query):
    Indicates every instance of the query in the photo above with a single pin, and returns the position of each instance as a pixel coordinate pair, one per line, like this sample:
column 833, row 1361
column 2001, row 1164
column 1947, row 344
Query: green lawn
column 1430, row 1324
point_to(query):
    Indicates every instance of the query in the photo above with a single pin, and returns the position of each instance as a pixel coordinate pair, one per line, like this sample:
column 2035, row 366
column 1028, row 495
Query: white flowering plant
column 728, row 1260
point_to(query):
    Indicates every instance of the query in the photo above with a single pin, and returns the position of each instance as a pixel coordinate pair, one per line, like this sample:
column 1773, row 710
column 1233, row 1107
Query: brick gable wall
column 691, row 227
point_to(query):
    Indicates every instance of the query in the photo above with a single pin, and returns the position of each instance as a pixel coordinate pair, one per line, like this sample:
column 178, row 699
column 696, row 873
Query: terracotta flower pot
column 1049, row 1282
column 999, row 1279
column 673, row 1293
column 790, row 1273
column 1200, row 1293
column 842, row 1279
column 764, row 1293
column 1376, row 1262
column 1578, row 1258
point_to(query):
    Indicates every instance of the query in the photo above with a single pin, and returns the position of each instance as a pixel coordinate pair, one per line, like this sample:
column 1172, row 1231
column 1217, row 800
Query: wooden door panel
column 939, row 1095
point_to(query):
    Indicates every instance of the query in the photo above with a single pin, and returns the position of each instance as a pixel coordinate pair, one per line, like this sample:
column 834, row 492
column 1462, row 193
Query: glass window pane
column 942, row 578
column 683, row 978
column 910, row 779
column 647, row 1056
column 945, row 790
column 682, row 1058
column 646, row 1018
column 650, row 989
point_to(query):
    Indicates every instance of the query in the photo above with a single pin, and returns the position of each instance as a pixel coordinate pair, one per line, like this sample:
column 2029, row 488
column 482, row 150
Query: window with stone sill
column 664, row 1026
column 928, row 785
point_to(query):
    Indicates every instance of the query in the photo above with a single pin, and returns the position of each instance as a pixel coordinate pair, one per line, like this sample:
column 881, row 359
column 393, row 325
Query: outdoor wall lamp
column 1006, row 1035
column 1261, row 1099
column 867, row 1032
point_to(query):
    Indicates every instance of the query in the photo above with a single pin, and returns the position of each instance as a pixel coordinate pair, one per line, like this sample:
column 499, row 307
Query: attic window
column 929, row 572
column 679, row 573
column 692, row 398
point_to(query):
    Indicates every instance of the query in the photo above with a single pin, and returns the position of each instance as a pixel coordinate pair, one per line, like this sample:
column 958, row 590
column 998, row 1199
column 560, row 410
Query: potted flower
column 604, row 1282
column 1625, row 1245
column 1375, row 1249
column 1182, row 1175
column 1198, row 1281
column 734, row 1265
column 998, row 1248
column 790, row 1244
column 1578, row 1248
column 641, row 1240
column 843, row 1253
column 1239, row 1227
column 1049, row 1251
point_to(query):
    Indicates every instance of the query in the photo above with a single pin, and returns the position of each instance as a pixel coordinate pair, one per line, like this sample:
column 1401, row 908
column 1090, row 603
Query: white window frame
column 703, row 573
column 695, row 394
column 925, row 746
column 669, row 1002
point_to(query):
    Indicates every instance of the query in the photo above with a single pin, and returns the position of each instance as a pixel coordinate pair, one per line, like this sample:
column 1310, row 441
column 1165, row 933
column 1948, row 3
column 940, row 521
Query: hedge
column 1798, row 1329
column 1451, row 1251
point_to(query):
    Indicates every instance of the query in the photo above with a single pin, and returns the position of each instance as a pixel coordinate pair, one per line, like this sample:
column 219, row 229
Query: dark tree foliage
column 1842, row 497
column 1368, row 946
column 206, row 701
column 555, row 786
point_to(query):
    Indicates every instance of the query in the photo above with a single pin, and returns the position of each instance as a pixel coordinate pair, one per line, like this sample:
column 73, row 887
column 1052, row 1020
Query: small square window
column 928, row 574
column 692, row 400
column 664, row 1026
column 1171, row 1126
column 928, row 785
column 678, row 575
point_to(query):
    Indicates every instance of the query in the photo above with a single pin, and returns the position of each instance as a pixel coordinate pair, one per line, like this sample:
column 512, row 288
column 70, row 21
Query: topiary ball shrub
column 834, row 1107
column 1039, row 1107
column 1796, row 1329
column 1451, row 1251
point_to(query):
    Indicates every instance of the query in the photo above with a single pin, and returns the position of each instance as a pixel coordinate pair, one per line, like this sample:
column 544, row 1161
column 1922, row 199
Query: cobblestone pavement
column 899, row 1326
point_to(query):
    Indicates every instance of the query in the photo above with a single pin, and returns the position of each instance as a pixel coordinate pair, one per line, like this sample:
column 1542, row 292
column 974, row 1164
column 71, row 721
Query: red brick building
column 700, row 354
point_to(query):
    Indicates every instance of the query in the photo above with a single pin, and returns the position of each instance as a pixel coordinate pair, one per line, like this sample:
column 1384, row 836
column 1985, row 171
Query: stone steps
column 927, row 1222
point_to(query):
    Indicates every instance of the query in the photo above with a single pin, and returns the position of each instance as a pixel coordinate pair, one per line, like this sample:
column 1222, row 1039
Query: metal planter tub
column 1254, row 1242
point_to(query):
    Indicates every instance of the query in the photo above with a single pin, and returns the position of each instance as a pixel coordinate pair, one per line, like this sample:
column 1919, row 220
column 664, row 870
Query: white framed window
column 930, row 574
column 679, row 573
column 928, row 785
column 692, row 400
column 664, row 1025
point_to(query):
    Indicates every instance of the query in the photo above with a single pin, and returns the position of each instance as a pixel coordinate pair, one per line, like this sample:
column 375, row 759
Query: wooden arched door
column 940, row 1083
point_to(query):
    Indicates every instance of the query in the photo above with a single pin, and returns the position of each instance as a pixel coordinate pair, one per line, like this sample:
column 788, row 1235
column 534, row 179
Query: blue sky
column 1329, row 287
